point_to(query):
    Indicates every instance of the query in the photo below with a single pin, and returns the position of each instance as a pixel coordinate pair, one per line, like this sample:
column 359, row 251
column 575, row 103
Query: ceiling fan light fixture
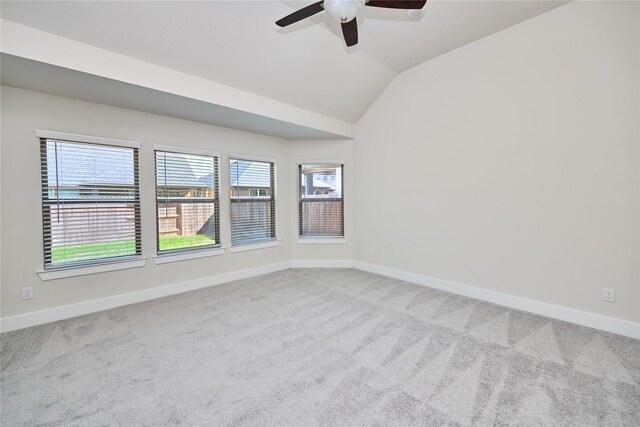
column 343, row 10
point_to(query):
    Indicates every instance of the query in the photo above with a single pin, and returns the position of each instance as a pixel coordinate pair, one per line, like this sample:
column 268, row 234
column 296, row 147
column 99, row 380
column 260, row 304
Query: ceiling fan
column 345, row 11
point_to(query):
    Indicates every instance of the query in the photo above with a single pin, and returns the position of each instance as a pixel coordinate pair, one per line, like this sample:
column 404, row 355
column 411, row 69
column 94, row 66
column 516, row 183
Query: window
column 321, row 202
column 187, row 201
column 253, row 205
column 90, row 202
column 258, row 192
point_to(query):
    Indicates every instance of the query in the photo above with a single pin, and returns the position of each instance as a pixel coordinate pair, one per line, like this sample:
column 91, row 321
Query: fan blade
column 350, row 32
column 397, row 4
column 301, row 14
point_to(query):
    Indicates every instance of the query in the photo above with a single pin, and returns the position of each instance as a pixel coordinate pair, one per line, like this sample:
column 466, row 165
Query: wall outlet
column 372, row 252
column 27, row 293
column 259, row 253
column 608, row 295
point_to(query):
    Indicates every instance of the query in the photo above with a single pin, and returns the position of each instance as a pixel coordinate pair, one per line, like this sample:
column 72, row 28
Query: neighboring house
column 175, row 217
column 326, row 178
column 320, row 186
column 68, row 178
column 180, row 181
column 249, row 179
column 90, row 190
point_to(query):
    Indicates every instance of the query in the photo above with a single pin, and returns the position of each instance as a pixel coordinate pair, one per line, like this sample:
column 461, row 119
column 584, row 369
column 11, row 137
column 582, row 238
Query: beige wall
column 512, row 163
column 23, row 111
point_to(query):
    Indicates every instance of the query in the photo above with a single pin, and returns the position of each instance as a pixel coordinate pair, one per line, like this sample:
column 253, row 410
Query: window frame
column 255, row 243
column 179, row 254
column 320, row 238
column 87, row 266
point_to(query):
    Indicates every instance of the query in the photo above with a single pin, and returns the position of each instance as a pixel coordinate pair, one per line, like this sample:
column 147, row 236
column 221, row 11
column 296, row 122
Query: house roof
column 183, row 170
column 244, row 173
column 74, row 166
column 318, row 184
column 116, row 168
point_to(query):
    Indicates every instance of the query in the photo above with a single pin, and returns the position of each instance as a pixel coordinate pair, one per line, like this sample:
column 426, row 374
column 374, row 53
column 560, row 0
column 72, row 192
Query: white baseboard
column 26, row 320
column 596, row 321
column 312, row 263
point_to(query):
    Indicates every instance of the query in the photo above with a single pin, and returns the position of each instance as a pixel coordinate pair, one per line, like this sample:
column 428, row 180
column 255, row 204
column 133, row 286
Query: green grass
column 122, row 247
column 179, row 242
column 92, row 250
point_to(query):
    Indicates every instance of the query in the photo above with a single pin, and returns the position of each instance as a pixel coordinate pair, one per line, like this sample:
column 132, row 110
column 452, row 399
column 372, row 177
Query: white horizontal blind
column 321, row 202
column 253, row 207
column 90, row 202
column 187, row 202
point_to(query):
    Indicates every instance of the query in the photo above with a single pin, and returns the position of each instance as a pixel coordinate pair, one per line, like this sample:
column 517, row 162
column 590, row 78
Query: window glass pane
column 91, row 208
column 74, row 169
column 79, row 232
column 187, row 201
column 321, row 206
column 252, row 201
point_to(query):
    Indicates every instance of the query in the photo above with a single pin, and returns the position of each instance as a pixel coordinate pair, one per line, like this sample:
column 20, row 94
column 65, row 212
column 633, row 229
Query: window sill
column 91, row 269
column 254, row 246
column 164, row 259
column 321, row 240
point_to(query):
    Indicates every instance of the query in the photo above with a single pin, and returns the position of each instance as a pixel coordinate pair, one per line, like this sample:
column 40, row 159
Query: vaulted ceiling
column 306, row 65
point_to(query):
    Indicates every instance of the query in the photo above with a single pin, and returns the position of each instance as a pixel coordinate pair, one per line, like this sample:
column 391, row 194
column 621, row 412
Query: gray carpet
column 318, row 347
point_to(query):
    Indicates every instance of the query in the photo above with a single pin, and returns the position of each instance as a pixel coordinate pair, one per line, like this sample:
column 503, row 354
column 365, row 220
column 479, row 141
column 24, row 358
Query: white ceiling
column 306, row 65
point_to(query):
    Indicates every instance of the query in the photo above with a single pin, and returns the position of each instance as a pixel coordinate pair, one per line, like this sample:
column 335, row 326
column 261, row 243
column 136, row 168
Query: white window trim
column 329, row 240
column 321, row 162
column 167, row 258
column 314, row 239
column 97, row 267
column 72, row 137
column 254, row 246
column 186, row 150
column 61, row 273
column 250, row 158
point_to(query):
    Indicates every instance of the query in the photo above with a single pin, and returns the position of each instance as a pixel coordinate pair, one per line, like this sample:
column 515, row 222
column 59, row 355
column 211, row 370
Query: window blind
column 187, row 202
column 90, row 202
column 253, row 207
column 321, row 202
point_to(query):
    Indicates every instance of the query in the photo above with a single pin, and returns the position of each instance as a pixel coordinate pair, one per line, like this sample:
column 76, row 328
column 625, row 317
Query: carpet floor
column 318, row 347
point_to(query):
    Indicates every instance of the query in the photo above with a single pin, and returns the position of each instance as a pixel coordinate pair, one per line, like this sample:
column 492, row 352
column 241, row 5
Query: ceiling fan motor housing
column 343, row 10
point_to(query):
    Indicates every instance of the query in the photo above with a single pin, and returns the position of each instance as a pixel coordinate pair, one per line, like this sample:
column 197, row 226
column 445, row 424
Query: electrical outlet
column 371, row 252
column 608, row 295
column 27, row 293
column 259, row 253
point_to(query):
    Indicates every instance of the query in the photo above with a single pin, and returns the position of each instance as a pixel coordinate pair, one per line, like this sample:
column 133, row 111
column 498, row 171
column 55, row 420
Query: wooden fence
column 184, row 219
column 321, row 218
column 251, row 220
column 81, row 223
